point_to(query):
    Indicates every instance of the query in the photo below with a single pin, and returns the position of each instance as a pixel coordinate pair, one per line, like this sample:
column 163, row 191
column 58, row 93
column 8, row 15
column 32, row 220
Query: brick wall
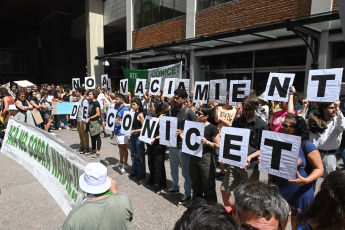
column 246, row 13
column 335, row 5
column 167, row 31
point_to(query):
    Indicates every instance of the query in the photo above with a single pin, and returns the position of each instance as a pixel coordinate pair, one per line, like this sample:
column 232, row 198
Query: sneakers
column 172, row 191
column 220, row 176
column 95, row 156
column 124, row 168
column 59, row 128
column 66, row 127
column 185, row 199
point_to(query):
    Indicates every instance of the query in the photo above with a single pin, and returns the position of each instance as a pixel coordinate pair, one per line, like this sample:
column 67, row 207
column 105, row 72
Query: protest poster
column 53, row 163
column 127, row 122
column 238, row 90
column 140, row 87
column 85, row 112
column 324, row 85
column 148, row 129
column 109, row 86
column 75, row 110
column 279, row 154
column 37, row 116
column 167, row 132
column 110, row 121
column 278, row 86
column 90, row 82
column 218, row 91
column 124, row 86
column 155, row 86
column 104, row 81
column 234, row 146
column 201, row 91
column 193, row 132
column 75, row 83
column 62, row 107
column 169, row 87
column 182, row 84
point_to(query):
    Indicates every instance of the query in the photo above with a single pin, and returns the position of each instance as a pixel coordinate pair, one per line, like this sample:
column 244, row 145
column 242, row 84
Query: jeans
column 176, row 157
column 342, row 153
column 58, row 119
column 138, row 155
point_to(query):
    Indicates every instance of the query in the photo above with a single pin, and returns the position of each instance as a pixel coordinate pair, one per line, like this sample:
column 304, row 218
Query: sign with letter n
column 278, row 86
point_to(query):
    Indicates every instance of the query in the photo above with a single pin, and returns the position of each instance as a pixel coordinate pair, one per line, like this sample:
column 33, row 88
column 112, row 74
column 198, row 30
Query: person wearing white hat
column 103, row 208
column 263, row 109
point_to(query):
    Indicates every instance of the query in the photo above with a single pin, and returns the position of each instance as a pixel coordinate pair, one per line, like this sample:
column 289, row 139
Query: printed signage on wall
column 90, row 82
column 218, row 91
column 127, row 122
column 168, row 129
column 278, row 86
column 238, row 90
column 193, row 132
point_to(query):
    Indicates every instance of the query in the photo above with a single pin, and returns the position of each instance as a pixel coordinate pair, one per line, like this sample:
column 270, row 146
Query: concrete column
column 129, row 24
column 190, row 18
column 94, row 38
column 195, row 65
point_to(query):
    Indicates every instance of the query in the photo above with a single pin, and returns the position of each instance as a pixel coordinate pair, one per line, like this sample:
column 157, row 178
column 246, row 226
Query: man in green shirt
column 103, row 208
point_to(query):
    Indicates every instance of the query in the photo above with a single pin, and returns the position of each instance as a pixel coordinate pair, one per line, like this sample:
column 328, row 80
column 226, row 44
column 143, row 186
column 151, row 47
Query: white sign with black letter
column 218, row 91
column 104, row 80
column 109, row 85
column 238, row 90
column 75, row 83
column 193, row 132
column 124, row 86
column 182, row 84
column 85, row 111
column 140, row 86
column 110, row 122
column 279, row 154
column 169, row 87
column 324, row 84
column 278, row 86
column 74, row 112
column 234, row 146
column 127, row 122
column 201, row 91
column 90, row 82
column 155, row 85
column 149, row 128
column 167, row 132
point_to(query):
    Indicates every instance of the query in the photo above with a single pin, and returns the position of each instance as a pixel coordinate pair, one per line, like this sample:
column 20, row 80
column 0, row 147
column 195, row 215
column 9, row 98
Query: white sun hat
column 95, row 179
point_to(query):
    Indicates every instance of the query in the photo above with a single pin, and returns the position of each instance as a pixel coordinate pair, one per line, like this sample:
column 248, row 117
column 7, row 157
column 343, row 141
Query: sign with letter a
column 238, row 90
column 140, row 87
column 278, row 86
column 90, row 82
column 218, row 91
column 127, row 122
column 124, row 86
column 279, row 154
column 148, row 129
column 182, row 84
column 104, row 80
column 324, row 85
column 167, row 132
column 110, row 122
column 193, row 132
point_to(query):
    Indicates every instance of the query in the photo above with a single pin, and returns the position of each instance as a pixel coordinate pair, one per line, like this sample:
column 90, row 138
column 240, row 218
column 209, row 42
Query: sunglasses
column 176, row 98
column 199, row 114
column 287, row 126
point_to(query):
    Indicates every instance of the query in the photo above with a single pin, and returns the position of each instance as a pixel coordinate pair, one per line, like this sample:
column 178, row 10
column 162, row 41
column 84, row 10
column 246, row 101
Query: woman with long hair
column 7, row 100
column 46, row 110
column 299, row 193
column 156, row 152
column 22, row 105
column 137, row 146
column 328, row 208
column 35, row 103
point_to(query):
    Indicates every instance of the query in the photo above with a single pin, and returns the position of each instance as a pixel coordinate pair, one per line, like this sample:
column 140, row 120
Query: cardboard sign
column 182, row 84
column 90, row 82
column 104, row 81
column 238, row 90
column 37, row 116
column 218, row 91
column 149, row 128
column 324, row 85
column 75, row 83
column 234, row 146
column 167, row 131
column 85, row 111
column 127, row 122
column 110, row 121
column 124, row 86
column 279, row 154
column 193, row 132
column 201, row 91
column 140, row 87
column 62, row 107
column 278, row 86
column 74, row 112
column 169, row 87
column 155, row 85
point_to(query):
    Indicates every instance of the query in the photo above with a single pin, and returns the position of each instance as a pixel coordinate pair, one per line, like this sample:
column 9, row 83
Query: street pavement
column 25, row 204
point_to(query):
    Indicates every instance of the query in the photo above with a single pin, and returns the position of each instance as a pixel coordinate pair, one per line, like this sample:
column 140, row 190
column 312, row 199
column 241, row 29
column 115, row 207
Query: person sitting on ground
column 259, row 206
column 103, row 208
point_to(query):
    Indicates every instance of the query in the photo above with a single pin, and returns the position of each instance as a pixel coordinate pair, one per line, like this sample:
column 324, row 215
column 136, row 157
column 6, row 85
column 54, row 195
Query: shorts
column 121, row 140
column 235, row 176
column 46, row 114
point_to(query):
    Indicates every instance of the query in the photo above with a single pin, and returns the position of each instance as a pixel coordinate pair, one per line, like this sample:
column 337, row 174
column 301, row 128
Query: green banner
column 133, row 74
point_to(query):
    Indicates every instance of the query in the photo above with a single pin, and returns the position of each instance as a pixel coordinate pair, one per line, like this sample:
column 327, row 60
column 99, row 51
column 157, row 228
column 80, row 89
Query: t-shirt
column 210, row 131
column 112, row 212
column 92, row 108
column 119, row 116
column 227, row 114
column 101, row 98
column 278, row 119
column 183, row 115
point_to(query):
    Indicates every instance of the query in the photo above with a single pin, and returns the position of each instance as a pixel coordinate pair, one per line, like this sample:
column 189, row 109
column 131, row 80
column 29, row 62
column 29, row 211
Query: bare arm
column 5, row 108
column 35, row 105
column 290, row 107
column 141, row 119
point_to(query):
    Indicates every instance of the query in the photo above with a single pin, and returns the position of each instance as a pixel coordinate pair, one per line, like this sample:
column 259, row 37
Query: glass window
column 203, row 4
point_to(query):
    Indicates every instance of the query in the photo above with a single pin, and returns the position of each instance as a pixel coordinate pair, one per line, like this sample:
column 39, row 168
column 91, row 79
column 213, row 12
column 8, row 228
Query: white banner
column 168, row 71
column 167, row 131
column 278, row 86
column 55, row 165
column 218, row 91
column 193, row 132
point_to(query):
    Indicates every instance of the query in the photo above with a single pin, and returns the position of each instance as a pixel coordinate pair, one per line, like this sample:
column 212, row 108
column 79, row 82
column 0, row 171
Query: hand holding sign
column 278, row 85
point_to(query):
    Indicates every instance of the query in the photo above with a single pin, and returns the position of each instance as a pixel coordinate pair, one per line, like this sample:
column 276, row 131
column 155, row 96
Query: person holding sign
column 203, row 170
column 299, row 193
column 81, row 126
column 46, row 110
column 58, row 117
column 94, row 122
column 235, row 175
column 156, row 152
column 137, row 146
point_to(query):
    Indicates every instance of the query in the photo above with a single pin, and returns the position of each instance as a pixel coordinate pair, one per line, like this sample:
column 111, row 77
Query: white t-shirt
column 101, row 98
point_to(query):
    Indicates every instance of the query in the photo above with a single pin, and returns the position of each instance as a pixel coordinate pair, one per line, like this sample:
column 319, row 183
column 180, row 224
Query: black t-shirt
column 34, row 100
column 183, row 115
column 92, row 108
column 210, row 131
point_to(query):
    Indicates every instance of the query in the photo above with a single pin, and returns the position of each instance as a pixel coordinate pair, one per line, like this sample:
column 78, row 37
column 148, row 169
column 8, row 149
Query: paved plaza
column 25, row 204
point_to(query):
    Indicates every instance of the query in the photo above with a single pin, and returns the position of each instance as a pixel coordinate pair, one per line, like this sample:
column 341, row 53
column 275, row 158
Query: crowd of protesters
column 320, row 126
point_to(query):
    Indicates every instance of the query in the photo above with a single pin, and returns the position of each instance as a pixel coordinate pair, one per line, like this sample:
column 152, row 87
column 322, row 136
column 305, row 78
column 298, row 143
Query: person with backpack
column 299, row 193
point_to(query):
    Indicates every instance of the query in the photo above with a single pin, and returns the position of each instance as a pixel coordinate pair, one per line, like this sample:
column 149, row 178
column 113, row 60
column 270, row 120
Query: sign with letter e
column 148, row 129
column 324, row 84
column 127, row 121
column 238, row 90
column 234, row 146
column 193, row 132
column 167, row 131
column 278, row 86
column 279, row 154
